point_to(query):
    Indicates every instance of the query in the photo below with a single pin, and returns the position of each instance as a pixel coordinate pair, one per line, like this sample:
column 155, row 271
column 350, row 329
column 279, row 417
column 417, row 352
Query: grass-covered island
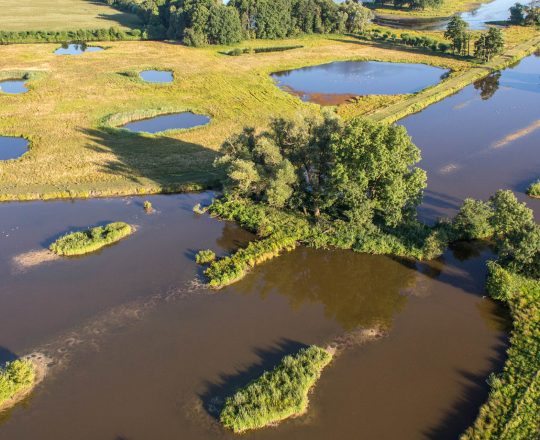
column 16, row 379
column 277, row 394
column 90, row 240
column 534, row 189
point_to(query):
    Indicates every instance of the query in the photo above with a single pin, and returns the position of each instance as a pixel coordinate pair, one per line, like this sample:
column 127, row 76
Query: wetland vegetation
column 16, row 377
column 90, row 240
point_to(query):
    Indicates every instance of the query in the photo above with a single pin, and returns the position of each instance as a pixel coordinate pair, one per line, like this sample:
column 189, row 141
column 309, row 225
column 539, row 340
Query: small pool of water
column 157, row 76
column 76, row 49
column 12, row 147
column 334, row 83
column 173, row 121
column 13, row 86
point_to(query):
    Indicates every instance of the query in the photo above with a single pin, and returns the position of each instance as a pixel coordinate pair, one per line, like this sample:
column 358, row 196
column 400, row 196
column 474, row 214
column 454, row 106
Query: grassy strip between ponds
column 455, row 83
column 90, row 240
column 512, row 411
column 534, row 189
column 277, row 394
column 15, row 378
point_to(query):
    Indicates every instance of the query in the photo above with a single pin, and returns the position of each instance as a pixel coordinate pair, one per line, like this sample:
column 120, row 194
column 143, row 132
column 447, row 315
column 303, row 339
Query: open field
column 75, row 152
column 447, row 9
column 61, row 15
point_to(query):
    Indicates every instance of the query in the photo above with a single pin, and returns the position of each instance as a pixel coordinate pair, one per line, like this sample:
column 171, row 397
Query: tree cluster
column 490, row 43
column 411, row 4
column 112, row 34
column 510, row 223
column 360, row 172
column 526, row 15
column 458, row 33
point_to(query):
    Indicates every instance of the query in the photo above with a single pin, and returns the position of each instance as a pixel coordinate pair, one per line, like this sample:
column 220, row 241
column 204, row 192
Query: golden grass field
column 61, row 15
column 74, row 153
column 447, row 9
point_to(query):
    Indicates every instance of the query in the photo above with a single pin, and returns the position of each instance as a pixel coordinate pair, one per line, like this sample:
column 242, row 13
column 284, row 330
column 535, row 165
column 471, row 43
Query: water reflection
column 336, row 82
column 76, row 49
column 488, row 85
column 157, row 76
column 354, row 289
column 174, row 121
column 12, row 147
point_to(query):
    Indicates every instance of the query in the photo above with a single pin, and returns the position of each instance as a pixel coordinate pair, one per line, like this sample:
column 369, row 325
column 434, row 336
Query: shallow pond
column 482, row 139
column 13, row 86
column 336, row 82
column 76, row 49
column 141, row 352
column 157, row 76
column 12, row 147
column 173, row 121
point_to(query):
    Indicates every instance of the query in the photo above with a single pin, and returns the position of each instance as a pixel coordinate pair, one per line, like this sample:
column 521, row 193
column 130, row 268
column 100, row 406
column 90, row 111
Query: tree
column 357, row 17
column 533, row 14
column 517, row 14
column 509, row 214
column 490, row 43
column 456, row 32
column 473, row 220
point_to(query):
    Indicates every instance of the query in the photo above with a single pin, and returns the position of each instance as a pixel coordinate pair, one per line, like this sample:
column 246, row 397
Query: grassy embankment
column 277, row 394
column 90, row 240
column 67, row 115
column 512, row 411
column 16, row 378
column 62, row 15
column 447, row 9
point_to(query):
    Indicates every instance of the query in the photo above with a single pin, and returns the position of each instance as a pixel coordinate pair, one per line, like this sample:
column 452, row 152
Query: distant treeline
column 410, row 4
column 112, row 34
column 201, row 22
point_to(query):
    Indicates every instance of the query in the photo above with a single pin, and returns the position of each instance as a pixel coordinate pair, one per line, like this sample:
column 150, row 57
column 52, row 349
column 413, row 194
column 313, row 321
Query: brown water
column 140, row 352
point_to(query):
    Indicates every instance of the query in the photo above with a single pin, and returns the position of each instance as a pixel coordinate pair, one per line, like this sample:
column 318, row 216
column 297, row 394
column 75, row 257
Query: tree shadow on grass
column 213, row 398
column 158, row 160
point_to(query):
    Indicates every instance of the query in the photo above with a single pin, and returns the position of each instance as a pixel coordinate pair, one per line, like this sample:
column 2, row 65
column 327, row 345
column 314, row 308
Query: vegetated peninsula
column 17, row 378
column 90, row 240
column 277, row 394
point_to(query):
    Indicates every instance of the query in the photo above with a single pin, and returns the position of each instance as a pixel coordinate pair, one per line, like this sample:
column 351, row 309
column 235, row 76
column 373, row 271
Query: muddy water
column 140, row 352
column 174, row 121
column 484, row 138
column 336, row 82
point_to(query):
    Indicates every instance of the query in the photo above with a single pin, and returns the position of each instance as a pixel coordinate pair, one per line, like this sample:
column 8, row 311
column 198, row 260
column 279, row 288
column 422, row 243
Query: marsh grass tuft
column 16, row 377
column 83, row 242
column 277, row 394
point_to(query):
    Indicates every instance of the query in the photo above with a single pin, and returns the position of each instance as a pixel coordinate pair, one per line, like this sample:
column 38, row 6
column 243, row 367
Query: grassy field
column 447, row 9
column 74, row 150
column 60, row 15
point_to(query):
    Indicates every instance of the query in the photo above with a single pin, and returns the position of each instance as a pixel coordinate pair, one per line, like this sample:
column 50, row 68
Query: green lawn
column 61, row 15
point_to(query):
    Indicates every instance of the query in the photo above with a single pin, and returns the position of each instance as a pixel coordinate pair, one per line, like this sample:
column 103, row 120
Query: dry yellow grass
column 61, row 15
column 72, row 153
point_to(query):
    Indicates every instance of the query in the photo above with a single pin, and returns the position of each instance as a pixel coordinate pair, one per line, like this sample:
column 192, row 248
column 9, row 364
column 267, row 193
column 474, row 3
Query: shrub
column 83, row 242
column 534, row 189
column 16, row 377
column 473, row 220
column 205, row 256
column 147, row 206
column 277, row 394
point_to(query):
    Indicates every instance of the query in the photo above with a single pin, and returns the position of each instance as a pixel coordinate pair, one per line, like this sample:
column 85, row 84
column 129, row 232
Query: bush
column 534, row 189
column 205, row 256
column 277, row 394
column 83, row 242
column 147, row 206
column 473, row 220
column 15, row 377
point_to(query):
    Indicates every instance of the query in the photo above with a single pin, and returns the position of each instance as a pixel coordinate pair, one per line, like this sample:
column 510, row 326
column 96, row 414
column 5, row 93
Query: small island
column 277, row 394
column 17, row 379
column 90, row 240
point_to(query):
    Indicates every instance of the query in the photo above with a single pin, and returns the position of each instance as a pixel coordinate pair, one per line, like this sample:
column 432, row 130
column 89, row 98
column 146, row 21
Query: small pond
column 76, row 49
column 13, row 86
column 173, row 121
column 157, row 76
column 334, row 83
column 12, row 147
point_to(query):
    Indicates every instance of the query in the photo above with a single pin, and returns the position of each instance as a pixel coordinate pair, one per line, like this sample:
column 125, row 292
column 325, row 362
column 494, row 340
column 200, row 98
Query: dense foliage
column 15, row 377
column 205, row 256
column 83, row 242
column 526, row 15
column 534, row 189
column 489, row 43
column 457, row 31
column 410, row 4
column 277, row 394
column 111, row 34
column 201, row 22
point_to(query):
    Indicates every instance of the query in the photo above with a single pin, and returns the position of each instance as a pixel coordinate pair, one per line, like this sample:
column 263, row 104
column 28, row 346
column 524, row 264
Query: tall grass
column 512, row 411
column 90, row 240
column 16, row 377
column 277, row 394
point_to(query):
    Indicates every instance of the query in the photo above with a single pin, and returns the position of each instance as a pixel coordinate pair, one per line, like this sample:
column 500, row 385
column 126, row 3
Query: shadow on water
column 161, row 159
column 488, row 85
column 213, row 398
column 463, row 412
column 6, row 355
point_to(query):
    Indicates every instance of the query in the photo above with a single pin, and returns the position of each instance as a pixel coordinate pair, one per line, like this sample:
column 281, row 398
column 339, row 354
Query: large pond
column 173, row 121
column 336, row 82
column 157, row 76
column 13, row 86
column 140, row 352
column 484, row 138
column 12, row 147
column 76, row 49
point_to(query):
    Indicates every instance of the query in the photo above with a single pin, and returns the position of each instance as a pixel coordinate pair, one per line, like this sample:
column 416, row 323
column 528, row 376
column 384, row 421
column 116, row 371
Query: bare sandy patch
column 33, row 258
